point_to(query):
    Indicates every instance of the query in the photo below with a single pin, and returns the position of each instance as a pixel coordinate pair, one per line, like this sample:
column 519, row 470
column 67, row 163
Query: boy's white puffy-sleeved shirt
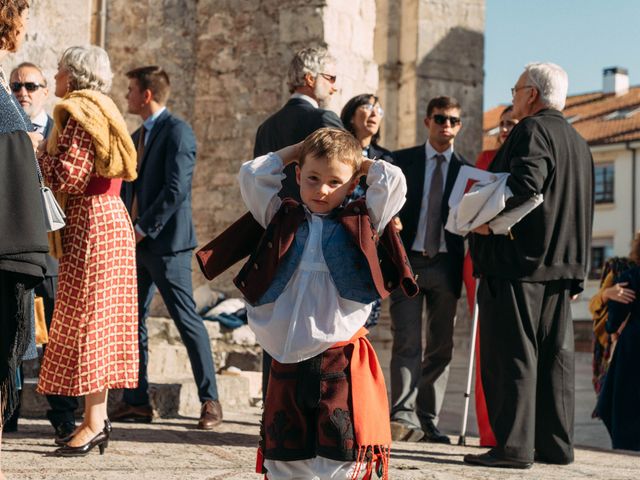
column 310, row 316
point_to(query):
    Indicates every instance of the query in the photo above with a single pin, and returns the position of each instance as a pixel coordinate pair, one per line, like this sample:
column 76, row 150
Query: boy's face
column 324, row 184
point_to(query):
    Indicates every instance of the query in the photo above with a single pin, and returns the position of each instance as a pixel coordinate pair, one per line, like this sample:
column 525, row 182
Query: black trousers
column 62, row 407
column 527, row 367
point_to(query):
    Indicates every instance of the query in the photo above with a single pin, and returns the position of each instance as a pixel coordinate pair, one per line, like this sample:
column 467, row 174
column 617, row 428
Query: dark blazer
column 48, row 127
column 291, row 124
column 544, row 154
column 413, row 165
column 412, row 161
column 379, row 153
column 163, row 187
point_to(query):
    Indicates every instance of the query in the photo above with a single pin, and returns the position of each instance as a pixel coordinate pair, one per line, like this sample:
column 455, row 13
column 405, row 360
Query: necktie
column 434, row 210
column 140, row 154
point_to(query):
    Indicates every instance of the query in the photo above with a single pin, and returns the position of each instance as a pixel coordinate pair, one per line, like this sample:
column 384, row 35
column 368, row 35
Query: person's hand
column 290, row 154
column 619, row 293
column 36, row 138
column 139, row 237
column 482, row 229
column 396, row 221
column 364, row 167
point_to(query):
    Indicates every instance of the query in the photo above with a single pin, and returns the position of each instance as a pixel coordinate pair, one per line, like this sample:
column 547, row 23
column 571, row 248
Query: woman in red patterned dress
column 93, row 345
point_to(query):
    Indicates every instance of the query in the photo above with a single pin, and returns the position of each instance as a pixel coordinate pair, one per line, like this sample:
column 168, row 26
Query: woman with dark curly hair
column 23, row 243
column 362, row 116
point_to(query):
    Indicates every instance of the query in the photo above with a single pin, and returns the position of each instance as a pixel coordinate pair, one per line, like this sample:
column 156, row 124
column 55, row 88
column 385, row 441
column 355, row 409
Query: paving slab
column 173, row 449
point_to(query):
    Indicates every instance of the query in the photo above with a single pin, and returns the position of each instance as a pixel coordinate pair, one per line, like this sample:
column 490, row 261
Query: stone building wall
column 228, row 61
column 48, row 36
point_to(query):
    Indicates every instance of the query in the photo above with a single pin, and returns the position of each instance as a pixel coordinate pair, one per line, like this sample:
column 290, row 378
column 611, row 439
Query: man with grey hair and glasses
column 528, row 278
column 311, row 80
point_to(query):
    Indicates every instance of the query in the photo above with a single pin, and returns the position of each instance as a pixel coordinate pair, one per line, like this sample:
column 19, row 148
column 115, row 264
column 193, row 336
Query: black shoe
column 490, row 460
column 11, row 425
column 403, row 432
column 64, row 432
column 432, row 434
column 541, row 459
column 101, row 440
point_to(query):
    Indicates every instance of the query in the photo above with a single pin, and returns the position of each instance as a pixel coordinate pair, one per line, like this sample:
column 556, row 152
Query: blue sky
column 582, row 36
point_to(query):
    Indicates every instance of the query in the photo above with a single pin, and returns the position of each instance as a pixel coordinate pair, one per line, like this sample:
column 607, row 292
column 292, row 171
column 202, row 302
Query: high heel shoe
column 108, row 428
column 101, row 440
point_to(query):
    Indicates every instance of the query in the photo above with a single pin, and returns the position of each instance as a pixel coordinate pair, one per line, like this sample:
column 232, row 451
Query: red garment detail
column 103, row 186
column 487, row 437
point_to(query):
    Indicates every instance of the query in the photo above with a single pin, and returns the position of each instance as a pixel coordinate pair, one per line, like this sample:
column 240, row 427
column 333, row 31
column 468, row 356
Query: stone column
column 427, row 48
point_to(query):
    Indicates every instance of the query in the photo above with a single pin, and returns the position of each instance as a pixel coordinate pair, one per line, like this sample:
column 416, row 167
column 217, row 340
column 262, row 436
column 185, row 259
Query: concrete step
column 177, row 397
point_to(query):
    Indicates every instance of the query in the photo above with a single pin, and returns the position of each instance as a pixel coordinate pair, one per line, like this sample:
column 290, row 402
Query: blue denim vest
column 347, row 265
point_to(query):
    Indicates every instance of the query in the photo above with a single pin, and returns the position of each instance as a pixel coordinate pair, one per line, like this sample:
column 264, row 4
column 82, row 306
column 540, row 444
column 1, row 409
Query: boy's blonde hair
column 332, row 144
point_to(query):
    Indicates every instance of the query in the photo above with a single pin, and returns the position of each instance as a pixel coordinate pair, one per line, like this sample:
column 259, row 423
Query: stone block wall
column 428, row 48
column 53, row 26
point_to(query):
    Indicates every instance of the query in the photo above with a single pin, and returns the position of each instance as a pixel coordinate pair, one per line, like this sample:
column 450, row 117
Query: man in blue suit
column 159, row 202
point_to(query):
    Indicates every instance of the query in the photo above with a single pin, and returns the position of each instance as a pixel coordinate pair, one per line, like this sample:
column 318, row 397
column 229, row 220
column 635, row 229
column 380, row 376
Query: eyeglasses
column 30, row 86
column 329, row 78
column 370, row 107
column 442, row 119
column 515, row 89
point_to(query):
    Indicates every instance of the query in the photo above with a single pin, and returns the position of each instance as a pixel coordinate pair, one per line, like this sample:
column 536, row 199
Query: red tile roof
column 600, row 119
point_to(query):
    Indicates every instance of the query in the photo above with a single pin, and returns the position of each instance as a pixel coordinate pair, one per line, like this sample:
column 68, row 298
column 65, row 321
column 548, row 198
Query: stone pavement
column 173, row 449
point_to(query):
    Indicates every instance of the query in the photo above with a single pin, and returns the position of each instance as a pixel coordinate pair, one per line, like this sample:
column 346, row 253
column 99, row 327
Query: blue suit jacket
column 163, row 187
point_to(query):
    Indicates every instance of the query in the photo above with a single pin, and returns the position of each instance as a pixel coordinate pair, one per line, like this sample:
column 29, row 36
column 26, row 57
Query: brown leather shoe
column 132, row 413
column 210, row 415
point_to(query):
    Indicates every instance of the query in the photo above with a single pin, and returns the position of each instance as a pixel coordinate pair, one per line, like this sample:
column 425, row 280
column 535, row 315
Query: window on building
column 601, row 251
column 604, row 183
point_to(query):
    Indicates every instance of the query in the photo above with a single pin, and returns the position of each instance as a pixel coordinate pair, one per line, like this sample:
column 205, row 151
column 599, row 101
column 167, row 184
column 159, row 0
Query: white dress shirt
column 310, row 316
column 430, row 153
column 40, row 122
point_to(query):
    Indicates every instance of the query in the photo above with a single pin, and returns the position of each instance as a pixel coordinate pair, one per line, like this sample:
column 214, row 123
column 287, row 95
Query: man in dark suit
column 311, row 80
column 528, row 278
column 29, row 86
column 159, row 202
column 419, row 379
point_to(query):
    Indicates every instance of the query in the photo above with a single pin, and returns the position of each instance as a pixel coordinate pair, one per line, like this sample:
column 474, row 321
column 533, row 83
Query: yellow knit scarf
column 115, row 153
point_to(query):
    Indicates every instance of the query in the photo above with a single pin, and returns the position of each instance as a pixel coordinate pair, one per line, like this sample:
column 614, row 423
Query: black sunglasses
column 442, row 119
column 30, row 86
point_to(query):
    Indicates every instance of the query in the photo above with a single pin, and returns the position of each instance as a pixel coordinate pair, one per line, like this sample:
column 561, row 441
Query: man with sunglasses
column 29, row 86
column 419, row 379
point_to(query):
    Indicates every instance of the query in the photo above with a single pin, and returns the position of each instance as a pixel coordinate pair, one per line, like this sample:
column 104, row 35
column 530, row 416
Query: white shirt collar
column 151, row 121
column 306, row 98
column 431, row 152
column 40, row 120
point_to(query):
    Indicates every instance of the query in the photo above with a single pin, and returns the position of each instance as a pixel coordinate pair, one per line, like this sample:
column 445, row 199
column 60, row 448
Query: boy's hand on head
column 290, row 154
column 364, row 167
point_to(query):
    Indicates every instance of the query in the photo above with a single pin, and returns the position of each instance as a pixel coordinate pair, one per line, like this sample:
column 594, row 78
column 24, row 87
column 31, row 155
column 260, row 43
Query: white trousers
column 318, row 468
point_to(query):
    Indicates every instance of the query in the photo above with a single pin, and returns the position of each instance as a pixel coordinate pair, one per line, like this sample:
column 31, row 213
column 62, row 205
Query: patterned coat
column 93, row 341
